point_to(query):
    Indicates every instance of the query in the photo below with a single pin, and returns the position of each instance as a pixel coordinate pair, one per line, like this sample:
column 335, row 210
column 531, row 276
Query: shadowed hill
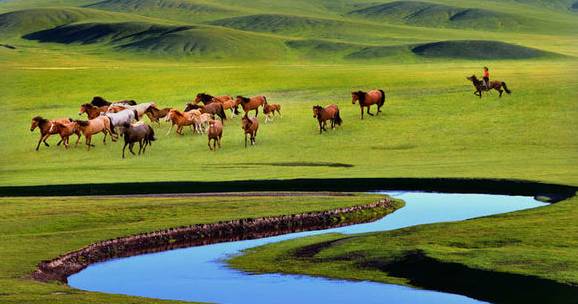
column 186, row 10
column 439, row 15
column 477, row 49
column 31, row 20
column 172, row 40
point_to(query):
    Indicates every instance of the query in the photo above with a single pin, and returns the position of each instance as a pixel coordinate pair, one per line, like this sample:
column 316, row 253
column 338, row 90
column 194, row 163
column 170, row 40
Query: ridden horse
column 269, row 111
column 215, row 108
column 494, row 84
column 250, row 127
column 251, row 103
column 215, row 133
column 91, row 110
column 330, row 112
column 65, row 130
column 155, row 114
column 141, row 133
column 120, row 118
column 366, row 99
column 100, row 102
column 180, row 119
column 44, row 126
column 94, row 126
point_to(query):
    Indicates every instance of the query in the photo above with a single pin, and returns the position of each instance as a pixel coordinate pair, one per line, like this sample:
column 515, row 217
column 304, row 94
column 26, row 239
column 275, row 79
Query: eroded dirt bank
column 201, row 234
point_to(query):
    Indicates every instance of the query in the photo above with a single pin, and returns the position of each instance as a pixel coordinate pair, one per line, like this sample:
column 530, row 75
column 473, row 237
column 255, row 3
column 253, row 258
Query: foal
column 330, row 112
column 250, row 126
column 44, row 126
column 65, row 130
column 215, row 133
column 141, row 133
column 269, row 111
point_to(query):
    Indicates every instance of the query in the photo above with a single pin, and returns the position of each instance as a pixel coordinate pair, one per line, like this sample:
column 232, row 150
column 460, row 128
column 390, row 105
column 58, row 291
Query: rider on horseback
column 486, row 77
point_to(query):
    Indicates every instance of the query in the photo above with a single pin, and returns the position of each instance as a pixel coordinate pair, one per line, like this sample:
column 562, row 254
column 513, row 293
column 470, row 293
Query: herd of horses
column 205, row 114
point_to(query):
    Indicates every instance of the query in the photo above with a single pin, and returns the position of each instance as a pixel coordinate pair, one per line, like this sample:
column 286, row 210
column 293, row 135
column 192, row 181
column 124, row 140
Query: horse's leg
column 171, row 128
column 361, row 108
column 219, row 141
column 210, row 145
column 368, row 108
column 45, row 138
column 257, row 112
column 320, row 127
column 59, row 142
column 130, row 146
column 139, row 147
column 123, row 148
column 88, row 139
column 501, row 92
column 39, row 141
column 245, row 140
column 78, row 139
column 104, row 138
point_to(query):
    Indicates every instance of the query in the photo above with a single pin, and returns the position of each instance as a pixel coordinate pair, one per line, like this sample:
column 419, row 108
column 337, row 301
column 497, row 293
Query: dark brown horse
column 44, row 125
column 141, row 133
column 330, row 112
column 91, row 110
column 155, row 114
column 207, row 99
column 251, row 103
column 192, row 106
column 250, row 127
column 100, row 102
column 366, row 99
column 494, row 84
column 215, row 108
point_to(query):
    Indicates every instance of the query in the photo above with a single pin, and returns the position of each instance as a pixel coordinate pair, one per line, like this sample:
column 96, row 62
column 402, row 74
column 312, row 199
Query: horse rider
column 486, row 77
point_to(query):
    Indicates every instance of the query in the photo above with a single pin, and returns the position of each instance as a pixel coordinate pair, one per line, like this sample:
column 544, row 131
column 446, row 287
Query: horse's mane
column 88, row 105
column 39, row 119
column 99, row 101
column 360, row 96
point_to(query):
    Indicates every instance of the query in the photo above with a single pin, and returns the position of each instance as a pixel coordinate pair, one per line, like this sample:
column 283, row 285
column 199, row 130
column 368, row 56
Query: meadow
column 57, row 54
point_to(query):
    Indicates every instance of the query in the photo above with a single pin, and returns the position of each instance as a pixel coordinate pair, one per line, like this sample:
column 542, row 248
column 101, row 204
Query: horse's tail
column 337, row 118
column 264, row 100
column 135, row 114
column 382, row 99
column 222, row 113
column 151, row 134
column 110, row 126
column 506, row 88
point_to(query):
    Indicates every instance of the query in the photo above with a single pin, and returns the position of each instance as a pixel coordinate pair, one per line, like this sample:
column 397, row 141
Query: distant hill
column 477, row 49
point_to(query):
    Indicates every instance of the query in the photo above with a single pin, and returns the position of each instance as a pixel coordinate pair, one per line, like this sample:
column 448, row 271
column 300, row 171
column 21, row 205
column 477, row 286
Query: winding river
column 201, row 274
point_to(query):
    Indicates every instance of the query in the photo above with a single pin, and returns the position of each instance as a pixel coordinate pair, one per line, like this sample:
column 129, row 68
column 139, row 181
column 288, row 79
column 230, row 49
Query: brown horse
column 94, row 126
column 215, row 108
column 215, row 133
column 192, row 106
column 251, row 103
column 330, row 112
column 141, row 133
column 65, row 130
column 44, row 126
column 366, row 99
column 180, row 119
column 269, row 111
column 494, row 84
column 250, row 126
column 155, row 114
column 91, row 110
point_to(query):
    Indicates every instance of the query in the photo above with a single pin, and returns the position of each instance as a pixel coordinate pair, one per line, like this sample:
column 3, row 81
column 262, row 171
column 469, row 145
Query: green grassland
column 540, row 243
column 35, row 229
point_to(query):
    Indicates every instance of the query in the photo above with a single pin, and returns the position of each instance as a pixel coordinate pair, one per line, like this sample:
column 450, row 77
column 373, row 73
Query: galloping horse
column 65, row 130
column 88, row 128
column 99, row 102
column 494, row 84
column 141, row 133
column 207, row 99
column 366, row 99
column 251, row 103
column 92, row 111
column 155, row 114
column 44, row 125
column 269, row 111
column 215, row 108
column 120, row 118
column 180, row 119
column 330, row 112
column 192, row 106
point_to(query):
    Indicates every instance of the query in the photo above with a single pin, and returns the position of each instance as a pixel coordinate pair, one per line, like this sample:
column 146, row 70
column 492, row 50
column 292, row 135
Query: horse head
column 317, row 110
column 357, row 95
column 35, row 122
column 84, row 108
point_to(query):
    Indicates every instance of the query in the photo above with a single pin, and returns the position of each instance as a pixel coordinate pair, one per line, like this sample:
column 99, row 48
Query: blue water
column 200, row 273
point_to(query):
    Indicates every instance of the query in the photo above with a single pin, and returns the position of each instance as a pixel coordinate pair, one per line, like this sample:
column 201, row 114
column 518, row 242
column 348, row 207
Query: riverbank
column 33, row 229
column 528, row 256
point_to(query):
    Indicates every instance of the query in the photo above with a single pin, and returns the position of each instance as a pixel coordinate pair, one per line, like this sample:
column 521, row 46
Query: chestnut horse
column 215, row 133
column 330, row 112
column 94, row 126
column 180, row 119
column 366, row 99
column 251, row 103
column 250, row 126
column 155, row 114
column 44, row 126
column 207, row 99
column 269, row 111
column 65, row 130
column 91, row 110
column 494, row 84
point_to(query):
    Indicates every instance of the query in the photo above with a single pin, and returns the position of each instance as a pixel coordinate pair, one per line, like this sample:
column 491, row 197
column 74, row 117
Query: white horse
column 120, row 118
